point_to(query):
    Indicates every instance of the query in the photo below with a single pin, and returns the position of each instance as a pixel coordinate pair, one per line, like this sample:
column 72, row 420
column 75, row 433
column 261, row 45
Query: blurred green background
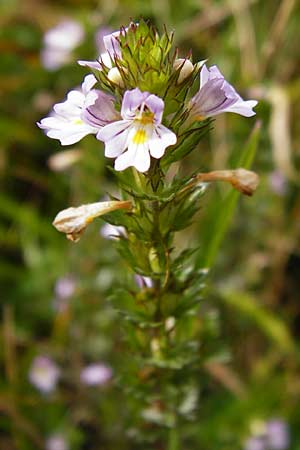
column 54, row 293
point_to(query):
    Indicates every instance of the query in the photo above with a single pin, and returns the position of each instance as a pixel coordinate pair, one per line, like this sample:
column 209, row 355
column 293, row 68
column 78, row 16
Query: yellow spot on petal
column 140, row 137
column 77, row 122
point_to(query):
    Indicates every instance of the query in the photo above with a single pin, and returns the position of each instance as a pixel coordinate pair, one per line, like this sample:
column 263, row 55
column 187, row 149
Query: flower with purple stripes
column 216, row 96
column 140, row 134
column 84, row 112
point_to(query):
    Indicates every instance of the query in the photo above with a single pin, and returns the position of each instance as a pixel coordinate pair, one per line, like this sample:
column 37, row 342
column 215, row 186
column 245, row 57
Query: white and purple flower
column 216, row 96
column 140, row 132
column 96, row 374
column 65, row 287
column 255, row 443
column 274, row 435
column 143, row 282
column 44, row 374
column 84, row 112
column 109, row 231
column 59, row 42
column 278, row 435
column 57, row 442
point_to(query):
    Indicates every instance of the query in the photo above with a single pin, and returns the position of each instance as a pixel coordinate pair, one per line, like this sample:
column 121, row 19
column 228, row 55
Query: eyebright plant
column 150, row 108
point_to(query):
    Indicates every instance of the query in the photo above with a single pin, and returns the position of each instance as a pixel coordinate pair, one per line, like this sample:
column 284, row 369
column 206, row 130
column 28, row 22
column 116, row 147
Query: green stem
column 173, row 442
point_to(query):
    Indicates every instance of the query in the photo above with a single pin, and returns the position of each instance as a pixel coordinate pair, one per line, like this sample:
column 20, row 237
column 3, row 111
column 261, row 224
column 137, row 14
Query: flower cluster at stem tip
column 139, row 98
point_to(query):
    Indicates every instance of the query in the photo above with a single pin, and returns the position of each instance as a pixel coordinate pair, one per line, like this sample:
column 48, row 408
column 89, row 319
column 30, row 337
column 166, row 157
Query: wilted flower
column 277, row 434
column 44, row 374
column 96, row 374
column 245, row 181
column 140, row 131
column 59, row 43
column 73, row 221
column 57, row 442
column 84, row 112
column 216, row 96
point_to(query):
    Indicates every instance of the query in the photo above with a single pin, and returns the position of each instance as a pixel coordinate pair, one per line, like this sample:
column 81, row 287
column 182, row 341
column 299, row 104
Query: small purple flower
column 255, row 443
column 278, row 182
column 59, row 43
column 99, row 35
column 216, row 96
column 278, row 437
column 96, row 374
column 140, row 131
column 44, row 374
column 109, row 231
column 65, row 287
column 84, row 112
column 143, row 282
column 57, row 442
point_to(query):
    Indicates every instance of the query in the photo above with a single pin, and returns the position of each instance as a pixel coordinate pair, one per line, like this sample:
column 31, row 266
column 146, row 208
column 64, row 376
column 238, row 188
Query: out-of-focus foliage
column 251, row 313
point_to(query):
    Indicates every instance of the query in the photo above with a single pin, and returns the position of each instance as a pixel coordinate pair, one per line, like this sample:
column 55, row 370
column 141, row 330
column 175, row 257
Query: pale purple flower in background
column 57, row 442
column 216, row 96
column 109, row 231
column 59, row 43
column 140, row 131
column 109, row 50
column 84, row 112
column 65, row 287
column 143, row 282
column 277, row 435
column 278, row 182
column 255, row 443
column 96, row 374
column 99, row 35
column 44, row 374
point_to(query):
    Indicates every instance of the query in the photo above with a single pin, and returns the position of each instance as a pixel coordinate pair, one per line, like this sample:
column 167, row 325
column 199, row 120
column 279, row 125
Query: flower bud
column 115, row 77
column 245, row 181
column 185, row 68
column 73, row 221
